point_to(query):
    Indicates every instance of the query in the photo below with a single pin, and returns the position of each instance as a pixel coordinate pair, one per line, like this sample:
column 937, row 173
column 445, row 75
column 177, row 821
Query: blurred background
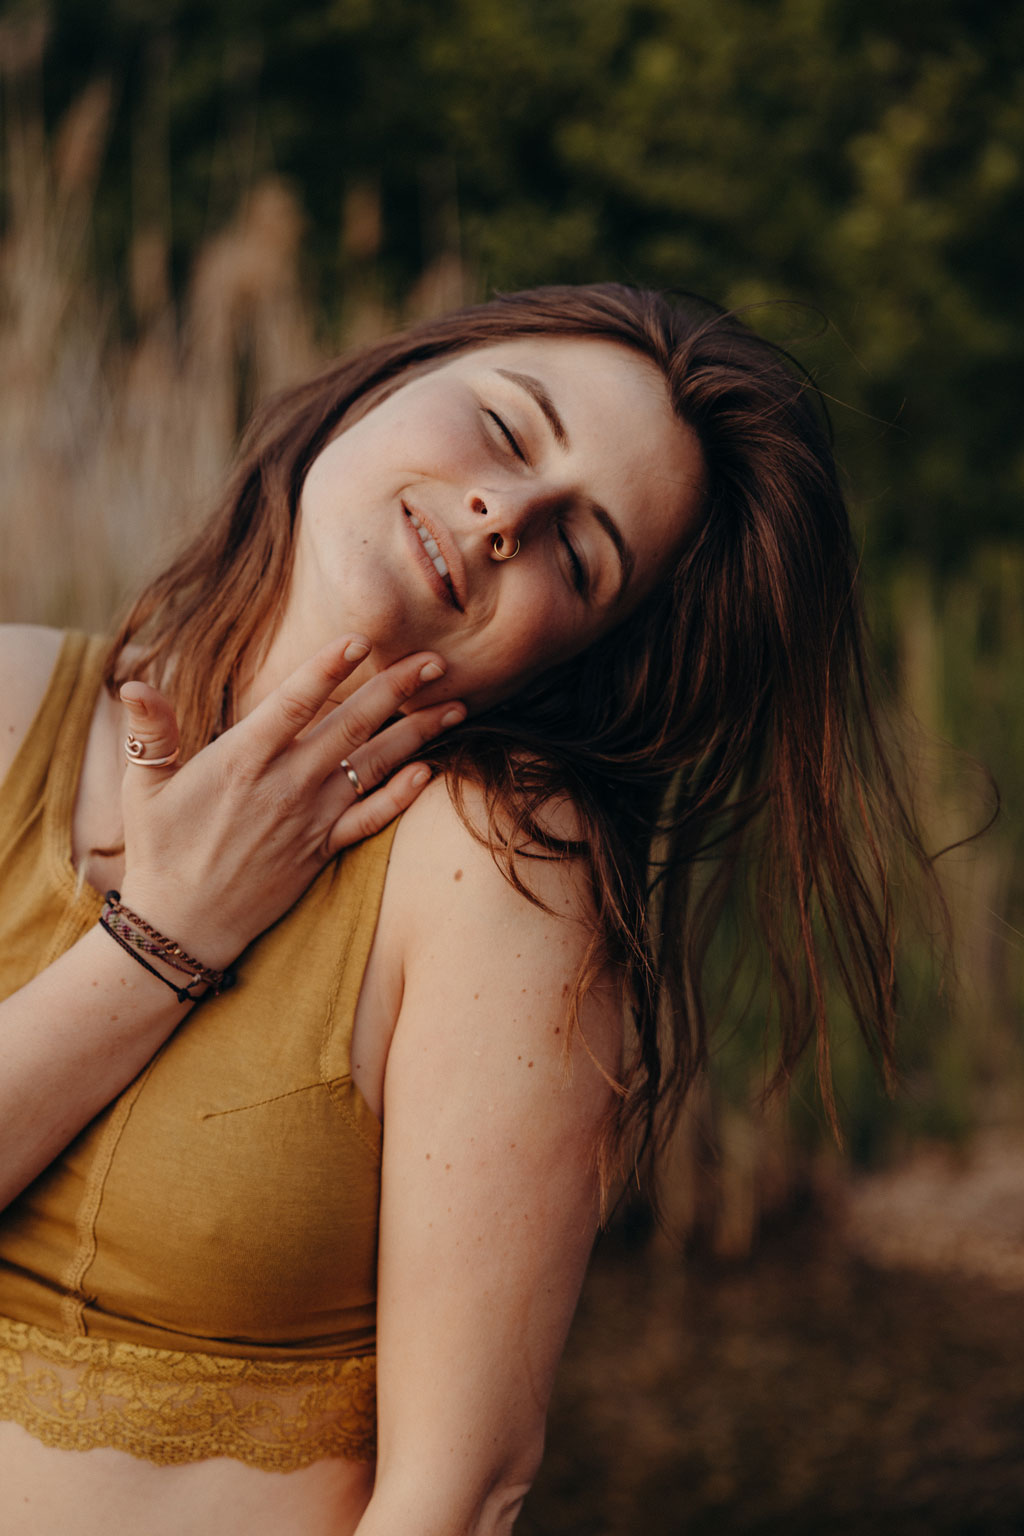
column 201, row 199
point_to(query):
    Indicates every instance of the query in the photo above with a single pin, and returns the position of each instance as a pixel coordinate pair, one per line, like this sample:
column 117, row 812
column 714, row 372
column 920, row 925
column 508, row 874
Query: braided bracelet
column 138, row 939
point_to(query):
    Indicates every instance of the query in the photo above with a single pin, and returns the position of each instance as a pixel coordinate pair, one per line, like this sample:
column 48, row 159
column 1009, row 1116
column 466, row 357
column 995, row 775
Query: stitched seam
column 327, row 1032
column 343, row 1109
column 332, row 1080
column 237, row 1109
column 74, row 1302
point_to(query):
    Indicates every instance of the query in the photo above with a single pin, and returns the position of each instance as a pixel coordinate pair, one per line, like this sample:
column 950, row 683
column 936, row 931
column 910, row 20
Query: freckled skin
column 434, row 446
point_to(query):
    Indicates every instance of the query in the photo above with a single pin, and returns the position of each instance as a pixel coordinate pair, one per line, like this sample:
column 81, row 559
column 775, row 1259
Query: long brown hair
column 726, row 728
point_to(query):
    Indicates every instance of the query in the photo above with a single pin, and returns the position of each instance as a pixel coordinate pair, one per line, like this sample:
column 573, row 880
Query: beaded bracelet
column 138, row 939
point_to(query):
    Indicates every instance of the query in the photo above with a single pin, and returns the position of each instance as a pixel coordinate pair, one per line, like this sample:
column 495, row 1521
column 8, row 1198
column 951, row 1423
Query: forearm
column 430, row 1508
column 69, row 1042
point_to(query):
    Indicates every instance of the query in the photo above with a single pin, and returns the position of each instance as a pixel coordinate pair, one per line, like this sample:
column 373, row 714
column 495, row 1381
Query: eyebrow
column 539, row 395
column 537, row 392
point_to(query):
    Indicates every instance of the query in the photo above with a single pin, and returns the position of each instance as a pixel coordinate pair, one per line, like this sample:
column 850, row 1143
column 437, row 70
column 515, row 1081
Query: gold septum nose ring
column 498, row 544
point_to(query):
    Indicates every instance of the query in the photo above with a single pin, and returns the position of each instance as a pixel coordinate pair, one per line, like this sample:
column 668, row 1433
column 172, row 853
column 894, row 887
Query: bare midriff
column 50, row 1492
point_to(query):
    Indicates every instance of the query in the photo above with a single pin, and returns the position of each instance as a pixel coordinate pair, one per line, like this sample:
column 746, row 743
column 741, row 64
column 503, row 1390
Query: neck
column 275, row 661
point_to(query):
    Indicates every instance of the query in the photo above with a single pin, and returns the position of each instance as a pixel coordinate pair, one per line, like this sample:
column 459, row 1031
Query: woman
column 608, row 529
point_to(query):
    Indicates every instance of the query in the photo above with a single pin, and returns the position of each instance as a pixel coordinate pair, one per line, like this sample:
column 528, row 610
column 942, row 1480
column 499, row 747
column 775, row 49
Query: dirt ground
column 863, row 1372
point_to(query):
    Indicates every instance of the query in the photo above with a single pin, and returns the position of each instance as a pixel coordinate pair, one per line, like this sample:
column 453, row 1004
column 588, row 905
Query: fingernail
column 431, row 672
column 420, row 777
column 356, row 650
column 138, row 704
column 453, row 716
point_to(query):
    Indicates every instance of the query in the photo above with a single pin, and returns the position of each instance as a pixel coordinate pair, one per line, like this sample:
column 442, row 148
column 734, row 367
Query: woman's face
column 565, row 450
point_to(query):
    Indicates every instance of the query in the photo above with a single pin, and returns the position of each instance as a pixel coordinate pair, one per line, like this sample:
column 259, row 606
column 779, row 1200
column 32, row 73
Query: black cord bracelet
column 139, row 938
column 181, row 993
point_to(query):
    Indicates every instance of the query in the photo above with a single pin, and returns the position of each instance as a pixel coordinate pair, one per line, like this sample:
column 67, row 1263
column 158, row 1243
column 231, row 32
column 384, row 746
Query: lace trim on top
column 171, row 1407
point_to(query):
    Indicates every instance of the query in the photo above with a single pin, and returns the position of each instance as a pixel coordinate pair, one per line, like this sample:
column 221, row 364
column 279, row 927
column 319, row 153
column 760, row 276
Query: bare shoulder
column 28, row 654
column 443, row 849
column 468, row 935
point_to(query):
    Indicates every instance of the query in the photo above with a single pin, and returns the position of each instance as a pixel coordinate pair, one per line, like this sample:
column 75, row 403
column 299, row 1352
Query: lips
column 441, row 552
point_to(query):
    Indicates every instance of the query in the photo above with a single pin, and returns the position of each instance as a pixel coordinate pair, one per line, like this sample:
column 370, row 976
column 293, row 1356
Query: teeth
column 431, row 547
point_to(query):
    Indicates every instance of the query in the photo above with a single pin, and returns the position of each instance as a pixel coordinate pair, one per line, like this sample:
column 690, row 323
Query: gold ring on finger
column 133, row 750
column 353, row 778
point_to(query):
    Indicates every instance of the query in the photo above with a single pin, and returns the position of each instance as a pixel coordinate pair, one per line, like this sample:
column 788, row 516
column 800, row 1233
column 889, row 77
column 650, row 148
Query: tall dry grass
column 119, row 411
column 116, row 421
column 118, row 415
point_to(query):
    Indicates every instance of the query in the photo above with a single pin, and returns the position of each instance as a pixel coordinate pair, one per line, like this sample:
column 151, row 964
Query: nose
column 508, row 518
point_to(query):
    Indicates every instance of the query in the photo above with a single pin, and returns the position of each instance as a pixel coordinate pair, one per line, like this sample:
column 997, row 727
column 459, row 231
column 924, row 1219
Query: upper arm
column 489, row 1193
column 28, row 654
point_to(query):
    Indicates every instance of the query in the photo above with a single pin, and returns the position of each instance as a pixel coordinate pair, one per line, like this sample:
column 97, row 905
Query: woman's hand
column 217, row 849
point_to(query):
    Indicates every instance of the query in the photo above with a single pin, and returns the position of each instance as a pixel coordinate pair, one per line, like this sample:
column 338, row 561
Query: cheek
column 524, row 643
column 531, row 640
column 437, row 441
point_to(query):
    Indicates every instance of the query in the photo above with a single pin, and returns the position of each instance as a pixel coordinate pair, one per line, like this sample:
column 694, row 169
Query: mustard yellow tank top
column 195, row 1275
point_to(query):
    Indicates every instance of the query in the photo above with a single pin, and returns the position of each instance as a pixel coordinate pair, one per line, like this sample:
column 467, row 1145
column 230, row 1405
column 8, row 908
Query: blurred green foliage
column 863, row 158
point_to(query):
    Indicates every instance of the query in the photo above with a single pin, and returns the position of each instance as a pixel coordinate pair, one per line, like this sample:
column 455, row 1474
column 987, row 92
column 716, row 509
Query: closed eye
column 577, row 569
column 508, row 435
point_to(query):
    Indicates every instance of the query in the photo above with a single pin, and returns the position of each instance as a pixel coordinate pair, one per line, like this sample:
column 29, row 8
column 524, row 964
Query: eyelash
column 577, row 571
column 579, row 578
column 508, row 435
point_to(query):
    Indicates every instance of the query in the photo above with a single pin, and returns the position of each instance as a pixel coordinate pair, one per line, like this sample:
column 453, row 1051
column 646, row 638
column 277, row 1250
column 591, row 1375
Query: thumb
column 151, row 743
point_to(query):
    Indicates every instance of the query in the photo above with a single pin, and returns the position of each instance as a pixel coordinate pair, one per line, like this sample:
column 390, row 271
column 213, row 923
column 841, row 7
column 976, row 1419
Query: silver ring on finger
column 133, row 750
column 353, row 778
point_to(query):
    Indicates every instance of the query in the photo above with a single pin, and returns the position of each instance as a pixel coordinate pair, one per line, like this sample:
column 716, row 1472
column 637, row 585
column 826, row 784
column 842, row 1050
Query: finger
column 397, row 743
column 365, row 817
column 151, row 743
column 379, row 700
column 295, row 704
column 278, row 719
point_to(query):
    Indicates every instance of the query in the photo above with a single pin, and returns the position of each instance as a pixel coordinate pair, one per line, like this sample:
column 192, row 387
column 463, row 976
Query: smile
column 432, row 550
